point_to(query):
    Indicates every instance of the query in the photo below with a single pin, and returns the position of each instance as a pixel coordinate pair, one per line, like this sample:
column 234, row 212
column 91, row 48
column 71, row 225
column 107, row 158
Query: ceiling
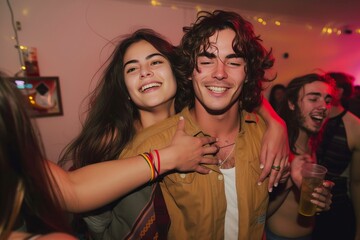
column 331, row 13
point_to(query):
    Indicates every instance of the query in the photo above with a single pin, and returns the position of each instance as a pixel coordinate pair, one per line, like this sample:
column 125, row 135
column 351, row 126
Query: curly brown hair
column 246, row 44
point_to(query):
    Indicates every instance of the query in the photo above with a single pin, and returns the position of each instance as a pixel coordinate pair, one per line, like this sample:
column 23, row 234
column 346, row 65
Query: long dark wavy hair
column 291, row 117
column 109, row 124
column 27, row 188
column 246, row 44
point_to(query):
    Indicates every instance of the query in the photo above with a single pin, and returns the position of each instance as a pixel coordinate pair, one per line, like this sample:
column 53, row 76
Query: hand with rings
column 274, row 152
column 285, row 172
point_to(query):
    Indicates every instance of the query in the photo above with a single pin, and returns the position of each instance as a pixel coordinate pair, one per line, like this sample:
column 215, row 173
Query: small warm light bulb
column 22, row 47
column 31, row 98
column 338, row 32
column 264, row 23
column 23, row 68
column 277, row 23
column 324, row 30
column 25, row 11
column 329, row 31
column 357, row 31
column 155, row 3
column 260, row 20
column 32, row 102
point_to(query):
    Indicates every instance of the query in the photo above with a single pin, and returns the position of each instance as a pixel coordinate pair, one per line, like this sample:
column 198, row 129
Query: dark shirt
column 354, row 106
column 335, row 155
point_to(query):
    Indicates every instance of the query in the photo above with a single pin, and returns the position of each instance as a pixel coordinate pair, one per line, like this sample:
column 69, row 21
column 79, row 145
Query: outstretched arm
column 275, row 145
column 95, row 185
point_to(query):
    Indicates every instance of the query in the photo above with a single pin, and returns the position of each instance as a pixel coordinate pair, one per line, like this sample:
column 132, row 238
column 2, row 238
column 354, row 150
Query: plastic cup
column 313, row 176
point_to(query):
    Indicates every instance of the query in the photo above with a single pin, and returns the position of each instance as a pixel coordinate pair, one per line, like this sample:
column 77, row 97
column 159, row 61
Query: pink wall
column 71, row 37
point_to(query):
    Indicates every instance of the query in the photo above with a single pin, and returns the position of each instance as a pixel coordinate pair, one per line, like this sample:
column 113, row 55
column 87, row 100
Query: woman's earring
column 129, row 98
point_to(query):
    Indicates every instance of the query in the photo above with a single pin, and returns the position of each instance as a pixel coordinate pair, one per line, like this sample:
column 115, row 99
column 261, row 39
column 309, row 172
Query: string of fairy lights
column 326, row 30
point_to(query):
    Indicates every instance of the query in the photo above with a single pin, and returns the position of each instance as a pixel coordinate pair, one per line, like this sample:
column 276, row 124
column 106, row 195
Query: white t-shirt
column 231, row 216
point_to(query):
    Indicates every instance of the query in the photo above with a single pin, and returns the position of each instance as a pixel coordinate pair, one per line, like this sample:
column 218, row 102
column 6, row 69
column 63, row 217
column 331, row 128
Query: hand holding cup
column 313, row 176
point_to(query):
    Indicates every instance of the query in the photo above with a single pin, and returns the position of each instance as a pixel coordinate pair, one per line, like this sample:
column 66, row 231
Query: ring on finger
column 276, row 168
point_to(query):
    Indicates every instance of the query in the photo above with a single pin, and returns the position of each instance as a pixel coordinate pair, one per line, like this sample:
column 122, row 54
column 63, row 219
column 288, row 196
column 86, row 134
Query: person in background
column 276, row 96
column 345, row 86
column 142, row 85
column 225, row 63
column 357, row 90
column 305, row 109
column 339, row 152
column 35, row 192
column 354, row 103
column 25, row 186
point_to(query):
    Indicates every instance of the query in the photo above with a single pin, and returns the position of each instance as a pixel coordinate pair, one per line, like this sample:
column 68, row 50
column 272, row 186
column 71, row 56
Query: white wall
column 71, row 37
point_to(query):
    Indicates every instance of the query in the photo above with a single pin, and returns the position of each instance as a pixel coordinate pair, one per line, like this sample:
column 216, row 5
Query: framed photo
column 42, row 94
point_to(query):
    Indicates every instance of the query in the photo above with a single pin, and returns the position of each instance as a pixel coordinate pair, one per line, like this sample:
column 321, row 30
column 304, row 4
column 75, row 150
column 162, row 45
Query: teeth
column 144, row 88
column 217, row 89
column 318, row 117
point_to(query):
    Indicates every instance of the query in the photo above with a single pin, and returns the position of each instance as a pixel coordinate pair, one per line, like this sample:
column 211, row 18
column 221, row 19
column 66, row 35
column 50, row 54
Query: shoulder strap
column 342, row 114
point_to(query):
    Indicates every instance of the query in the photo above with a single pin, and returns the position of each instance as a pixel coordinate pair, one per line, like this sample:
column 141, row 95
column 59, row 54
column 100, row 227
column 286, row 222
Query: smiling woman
column 155, row 89
column 141, row 86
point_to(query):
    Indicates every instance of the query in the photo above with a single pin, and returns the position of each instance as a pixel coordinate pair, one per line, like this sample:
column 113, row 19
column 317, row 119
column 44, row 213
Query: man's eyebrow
column 233, row 55
column 212, row 55
column 207, row 54
column 318, row 94
column 147, row 58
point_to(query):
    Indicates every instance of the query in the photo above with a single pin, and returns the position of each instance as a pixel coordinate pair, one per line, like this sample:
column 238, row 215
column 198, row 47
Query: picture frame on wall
column 42, row 94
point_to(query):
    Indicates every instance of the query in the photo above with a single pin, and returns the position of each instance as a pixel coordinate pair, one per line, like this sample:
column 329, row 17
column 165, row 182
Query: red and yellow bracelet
column 149, row 158
column 149, row 162
column 158, row 160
